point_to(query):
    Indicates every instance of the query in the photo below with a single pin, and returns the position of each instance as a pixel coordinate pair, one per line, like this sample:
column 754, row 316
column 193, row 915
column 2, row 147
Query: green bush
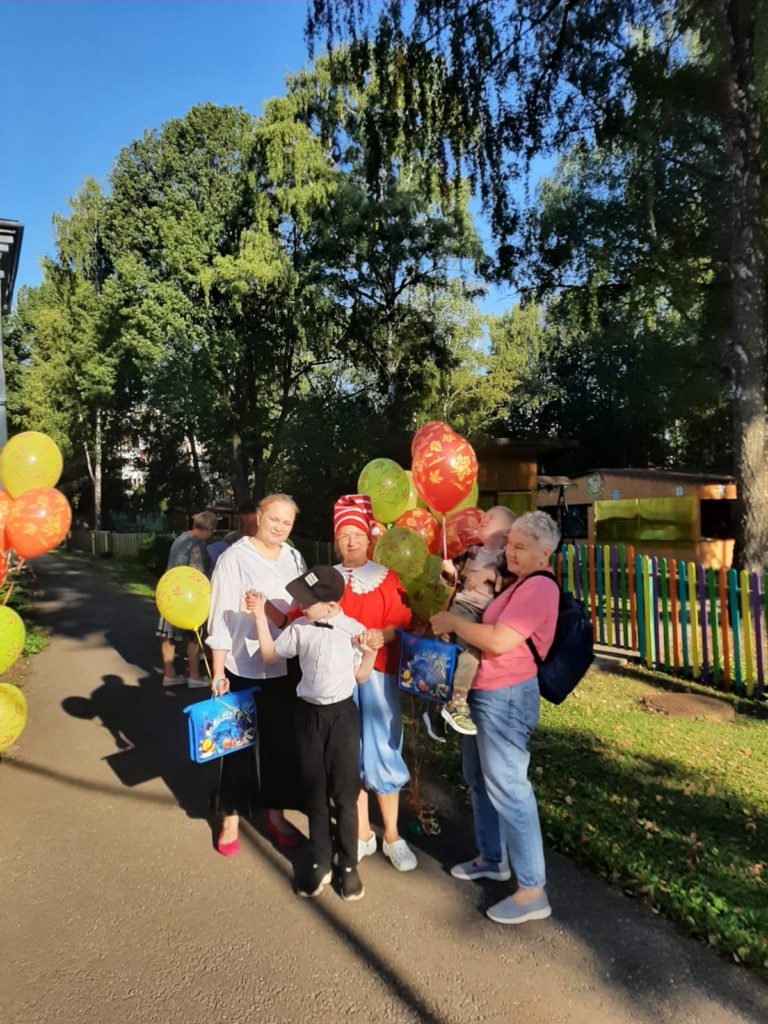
column 153, row 554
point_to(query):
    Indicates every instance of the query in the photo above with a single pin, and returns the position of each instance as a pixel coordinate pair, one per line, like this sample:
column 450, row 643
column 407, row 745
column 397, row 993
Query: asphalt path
column 115, row 906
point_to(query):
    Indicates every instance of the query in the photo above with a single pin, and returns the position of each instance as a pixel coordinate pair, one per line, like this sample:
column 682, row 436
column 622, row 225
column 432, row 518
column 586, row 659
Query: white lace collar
column 365, row 578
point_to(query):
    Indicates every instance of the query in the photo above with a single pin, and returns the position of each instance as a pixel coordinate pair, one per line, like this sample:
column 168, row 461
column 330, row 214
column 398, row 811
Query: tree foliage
column 490, row 84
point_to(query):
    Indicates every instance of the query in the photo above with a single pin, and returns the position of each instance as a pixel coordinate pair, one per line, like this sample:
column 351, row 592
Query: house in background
column 674, row 515
column 508, row 469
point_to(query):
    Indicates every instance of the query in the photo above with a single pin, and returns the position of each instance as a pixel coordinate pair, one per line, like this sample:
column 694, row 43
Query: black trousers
column 267, row 775
column 329, row 753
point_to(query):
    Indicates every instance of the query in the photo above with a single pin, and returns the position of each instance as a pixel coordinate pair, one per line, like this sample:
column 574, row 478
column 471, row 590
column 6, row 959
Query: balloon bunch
column 34, row 519
column 426, row 513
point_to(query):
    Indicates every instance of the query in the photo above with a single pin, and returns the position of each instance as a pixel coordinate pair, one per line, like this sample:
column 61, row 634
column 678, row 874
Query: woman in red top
column 373, row 595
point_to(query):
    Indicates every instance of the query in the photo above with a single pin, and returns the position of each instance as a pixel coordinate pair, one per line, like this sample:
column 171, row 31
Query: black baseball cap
column 320, row 583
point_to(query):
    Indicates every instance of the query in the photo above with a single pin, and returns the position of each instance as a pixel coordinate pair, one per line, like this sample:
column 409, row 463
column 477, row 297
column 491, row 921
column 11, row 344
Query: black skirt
column 268, row 774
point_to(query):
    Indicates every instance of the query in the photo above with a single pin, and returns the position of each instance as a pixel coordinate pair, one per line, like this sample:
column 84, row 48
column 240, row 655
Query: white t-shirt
column 328, row 657
column 230, row 628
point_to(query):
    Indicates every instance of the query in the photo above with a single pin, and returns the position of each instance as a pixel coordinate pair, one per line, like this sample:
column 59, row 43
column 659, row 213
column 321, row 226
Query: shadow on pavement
column 149, row 731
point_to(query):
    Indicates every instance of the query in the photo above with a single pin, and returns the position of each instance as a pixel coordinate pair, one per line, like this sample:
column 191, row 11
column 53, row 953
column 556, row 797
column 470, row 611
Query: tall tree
column 69, row 359
column 494, row 83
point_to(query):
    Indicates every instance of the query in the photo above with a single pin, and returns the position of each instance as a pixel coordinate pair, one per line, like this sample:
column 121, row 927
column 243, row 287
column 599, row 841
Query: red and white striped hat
column 354, row 510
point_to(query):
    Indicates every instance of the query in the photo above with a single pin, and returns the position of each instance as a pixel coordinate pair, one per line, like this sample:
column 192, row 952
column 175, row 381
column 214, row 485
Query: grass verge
column 22, row 600
column 673, row 812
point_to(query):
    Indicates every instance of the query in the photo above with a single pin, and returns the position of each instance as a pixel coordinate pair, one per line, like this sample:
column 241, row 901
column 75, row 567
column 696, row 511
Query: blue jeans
column 495, row 764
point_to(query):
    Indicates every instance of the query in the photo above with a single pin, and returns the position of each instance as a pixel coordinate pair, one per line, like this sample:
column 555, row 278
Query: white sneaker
column 198, row 684
column 174, row 681
column 400, row 854
column 366, row 847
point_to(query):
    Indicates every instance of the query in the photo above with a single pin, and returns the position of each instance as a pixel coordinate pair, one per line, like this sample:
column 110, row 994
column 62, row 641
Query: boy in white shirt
column 334, row 660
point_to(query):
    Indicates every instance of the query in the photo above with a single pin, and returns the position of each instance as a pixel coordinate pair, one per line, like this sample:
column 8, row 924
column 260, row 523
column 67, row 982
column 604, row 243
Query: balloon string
column 201, row 645
column 445, row 540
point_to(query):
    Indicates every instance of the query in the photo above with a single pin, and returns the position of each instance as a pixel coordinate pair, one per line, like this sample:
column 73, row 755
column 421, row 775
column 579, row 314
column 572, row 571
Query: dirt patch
column 688, row 705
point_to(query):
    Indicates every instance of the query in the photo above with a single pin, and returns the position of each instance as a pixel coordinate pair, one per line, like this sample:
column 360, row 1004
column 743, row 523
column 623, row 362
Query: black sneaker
column 314, row 881
column 351, row 884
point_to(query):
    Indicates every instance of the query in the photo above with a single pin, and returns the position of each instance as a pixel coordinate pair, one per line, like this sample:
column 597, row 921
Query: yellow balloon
column 28, row 461
column 12, row 635
column 13, row 715
column 183, row 597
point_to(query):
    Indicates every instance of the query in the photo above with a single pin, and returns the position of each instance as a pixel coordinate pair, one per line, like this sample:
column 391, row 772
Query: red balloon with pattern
column 444, row 470
column 425, row 433
column 461, row 529
column 38, row 522
column 421, row 522
column 6, row 502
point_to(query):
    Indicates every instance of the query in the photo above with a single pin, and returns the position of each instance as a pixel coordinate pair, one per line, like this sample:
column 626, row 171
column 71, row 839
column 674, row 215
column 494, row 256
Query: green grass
column 22, row 601
column 674, row 812
column 126, row 572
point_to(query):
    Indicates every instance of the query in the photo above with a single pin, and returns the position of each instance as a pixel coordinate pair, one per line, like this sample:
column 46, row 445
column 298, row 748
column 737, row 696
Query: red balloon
column 6, row 501
column 461, row 529
column 38, row 521
column 444, row 470
column 425, row 433
column 421, row 522
column 3, row 567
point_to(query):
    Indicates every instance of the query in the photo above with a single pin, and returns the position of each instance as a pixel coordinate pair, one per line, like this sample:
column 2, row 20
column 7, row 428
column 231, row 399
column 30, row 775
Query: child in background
column 479, row 574
column 334, row 660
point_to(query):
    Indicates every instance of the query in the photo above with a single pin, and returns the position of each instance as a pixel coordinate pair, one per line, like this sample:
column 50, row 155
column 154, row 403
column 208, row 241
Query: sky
column 83, row 78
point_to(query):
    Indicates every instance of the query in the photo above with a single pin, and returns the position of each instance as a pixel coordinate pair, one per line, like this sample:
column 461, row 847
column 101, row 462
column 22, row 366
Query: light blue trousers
column 495, row 764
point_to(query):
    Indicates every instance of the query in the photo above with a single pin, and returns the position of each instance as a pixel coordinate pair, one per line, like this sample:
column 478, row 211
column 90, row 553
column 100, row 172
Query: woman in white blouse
column 264, row 563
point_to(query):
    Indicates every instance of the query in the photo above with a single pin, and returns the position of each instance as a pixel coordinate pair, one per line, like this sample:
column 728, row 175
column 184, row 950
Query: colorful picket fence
column 706, row 624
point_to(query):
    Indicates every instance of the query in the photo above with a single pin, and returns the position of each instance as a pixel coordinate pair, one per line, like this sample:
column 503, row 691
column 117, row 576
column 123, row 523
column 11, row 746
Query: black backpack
column 572, row 649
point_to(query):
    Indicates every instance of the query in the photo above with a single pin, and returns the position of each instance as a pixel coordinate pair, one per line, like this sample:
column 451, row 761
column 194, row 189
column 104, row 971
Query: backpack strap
column 531, row 646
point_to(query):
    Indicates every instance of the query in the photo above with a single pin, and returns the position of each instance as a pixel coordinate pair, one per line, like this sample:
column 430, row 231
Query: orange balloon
column 421, row 522
column 38, row 522
column 444, row 470
column 6, row 501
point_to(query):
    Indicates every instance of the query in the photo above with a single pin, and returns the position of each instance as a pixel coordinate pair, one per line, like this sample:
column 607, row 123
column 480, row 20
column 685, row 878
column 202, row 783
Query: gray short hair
column 205, row 521
column 541, row 526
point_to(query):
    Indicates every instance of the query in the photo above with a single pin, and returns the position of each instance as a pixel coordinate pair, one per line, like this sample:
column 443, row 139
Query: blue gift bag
column 222, row 725
column 426, row 667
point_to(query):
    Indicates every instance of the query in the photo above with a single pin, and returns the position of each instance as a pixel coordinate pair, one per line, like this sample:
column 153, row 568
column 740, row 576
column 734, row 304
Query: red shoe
column 285, row 840
column 227, row 849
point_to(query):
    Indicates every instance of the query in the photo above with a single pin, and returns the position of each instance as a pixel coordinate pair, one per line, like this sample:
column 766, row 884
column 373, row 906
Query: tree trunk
column 97, row 471
column 200, row 488
column 747, row 292
column 238, row 471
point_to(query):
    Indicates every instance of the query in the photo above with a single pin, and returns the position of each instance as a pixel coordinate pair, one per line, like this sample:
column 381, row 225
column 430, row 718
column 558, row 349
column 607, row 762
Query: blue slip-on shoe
column 509, row 912
column 470, row 870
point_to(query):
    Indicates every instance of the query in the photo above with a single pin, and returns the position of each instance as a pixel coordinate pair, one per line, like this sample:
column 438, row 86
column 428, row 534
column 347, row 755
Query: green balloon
column 402, row 551
column 387, row 485
column 428, row 594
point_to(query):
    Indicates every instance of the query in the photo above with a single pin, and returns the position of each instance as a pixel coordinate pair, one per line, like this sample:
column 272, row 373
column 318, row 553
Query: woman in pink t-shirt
column 504, row 701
